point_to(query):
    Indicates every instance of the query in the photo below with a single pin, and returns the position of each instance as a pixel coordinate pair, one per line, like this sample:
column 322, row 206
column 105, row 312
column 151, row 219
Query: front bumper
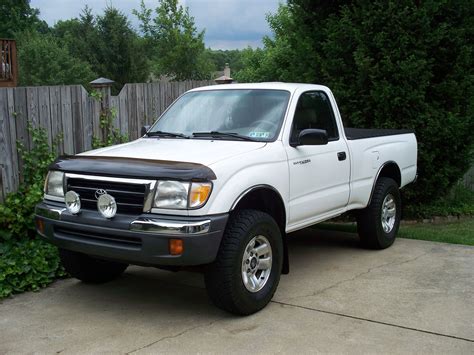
column 140, row 240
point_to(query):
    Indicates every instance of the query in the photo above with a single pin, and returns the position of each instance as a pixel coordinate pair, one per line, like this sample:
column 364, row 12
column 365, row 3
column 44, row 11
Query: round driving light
column 107, row 206
column 73, row 202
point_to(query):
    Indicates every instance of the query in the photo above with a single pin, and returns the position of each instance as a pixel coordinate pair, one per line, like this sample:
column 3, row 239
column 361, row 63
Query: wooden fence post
column 14, row 65
column 103, row 86
column 2, row 188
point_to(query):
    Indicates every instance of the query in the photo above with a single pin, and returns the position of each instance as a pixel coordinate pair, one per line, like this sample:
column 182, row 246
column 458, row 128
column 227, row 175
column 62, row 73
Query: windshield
column 211, row 114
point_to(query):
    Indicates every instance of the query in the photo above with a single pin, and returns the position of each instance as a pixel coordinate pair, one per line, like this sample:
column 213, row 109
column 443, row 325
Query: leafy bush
column 16, row 214
column 27, row 265
column 26, row 262
column 459, row 202
column 391, row 64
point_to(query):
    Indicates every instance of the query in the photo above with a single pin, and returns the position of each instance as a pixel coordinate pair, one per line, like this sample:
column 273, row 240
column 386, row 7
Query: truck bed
column 361, row 133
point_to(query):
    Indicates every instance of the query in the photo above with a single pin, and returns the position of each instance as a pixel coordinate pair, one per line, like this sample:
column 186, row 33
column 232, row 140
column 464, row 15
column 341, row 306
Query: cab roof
column 291, row 87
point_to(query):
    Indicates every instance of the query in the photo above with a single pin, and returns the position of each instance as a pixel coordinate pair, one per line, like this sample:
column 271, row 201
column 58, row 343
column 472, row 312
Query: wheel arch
column 390, row 170
column 267, row 199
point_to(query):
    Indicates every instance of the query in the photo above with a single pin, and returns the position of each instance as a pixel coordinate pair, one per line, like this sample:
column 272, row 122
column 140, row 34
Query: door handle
column 341, row 156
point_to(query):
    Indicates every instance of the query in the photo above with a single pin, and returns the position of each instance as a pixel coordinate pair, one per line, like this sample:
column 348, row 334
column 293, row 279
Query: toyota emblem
column 99, row 193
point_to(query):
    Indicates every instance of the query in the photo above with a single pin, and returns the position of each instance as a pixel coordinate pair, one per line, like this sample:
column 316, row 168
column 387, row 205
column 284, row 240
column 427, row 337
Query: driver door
column 319, row 174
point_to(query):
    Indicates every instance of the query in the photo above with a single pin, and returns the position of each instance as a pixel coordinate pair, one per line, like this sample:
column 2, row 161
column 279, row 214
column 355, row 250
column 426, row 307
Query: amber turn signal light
column 199, row 194
column 176, row 246
column 40, row 225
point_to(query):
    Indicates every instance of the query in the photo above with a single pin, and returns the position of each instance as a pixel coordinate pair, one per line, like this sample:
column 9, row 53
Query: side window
column 314, row 111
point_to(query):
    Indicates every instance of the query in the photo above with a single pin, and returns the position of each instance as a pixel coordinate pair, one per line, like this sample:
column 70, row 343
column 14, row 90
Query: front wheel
column 246, row 272
column 378, row 223
column 89, row 269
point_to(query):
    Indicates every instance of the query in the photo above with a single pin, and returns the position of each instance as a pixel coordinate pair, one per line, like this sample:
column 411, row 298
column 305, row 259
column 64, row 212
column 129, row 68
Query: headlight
column 172, row 195
column 181, row 195
column 54, row 184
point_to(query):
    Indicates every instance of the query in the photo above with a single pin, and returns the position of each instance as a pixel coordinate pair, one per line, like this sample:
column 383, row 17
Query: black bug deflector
column 133, row 168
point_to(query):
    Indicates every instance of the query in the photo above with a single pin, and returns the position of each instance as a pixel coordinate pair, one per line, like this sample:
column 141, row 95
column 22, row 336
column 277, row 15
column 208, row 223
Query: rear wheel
column 89, row 269
column 246, row 272
column 378, row 223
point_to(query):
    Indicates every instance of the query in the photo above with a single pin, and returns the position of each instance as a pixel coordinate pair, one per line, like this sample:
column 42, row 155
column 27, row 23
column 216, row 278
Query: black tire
column 89, row 269
column 223, row 278
column 369, row 220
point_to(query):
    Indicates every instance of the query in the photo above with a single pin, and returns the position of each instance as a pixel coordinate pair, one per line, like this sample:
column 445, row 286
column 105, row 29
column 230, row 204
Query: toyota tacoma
column 218, row 182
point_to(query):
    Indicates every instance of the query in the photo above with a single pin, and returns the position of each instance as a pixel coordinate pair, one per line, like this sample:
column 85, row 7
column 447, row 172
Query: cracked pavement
column 415, row 297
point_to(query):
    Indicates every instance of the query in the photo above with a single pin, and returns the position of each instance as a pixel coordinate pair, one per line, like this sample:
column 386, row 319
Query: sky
column 229, row 24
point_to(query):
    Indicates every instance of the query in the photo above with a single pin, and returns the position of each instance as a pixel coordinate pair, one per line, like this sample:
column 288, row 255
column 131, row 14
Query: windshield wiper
column 166, row 134
column 216, row 134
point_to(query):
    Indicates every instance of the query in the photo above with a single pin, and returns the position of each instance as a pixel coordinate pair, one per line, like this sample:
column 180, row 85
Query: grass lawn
column 459, row 232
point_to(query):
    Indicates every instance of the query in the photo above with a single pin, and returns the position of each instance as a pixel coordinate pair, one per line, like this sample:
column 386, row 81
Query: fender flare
column 377, row 177
column 252, row 188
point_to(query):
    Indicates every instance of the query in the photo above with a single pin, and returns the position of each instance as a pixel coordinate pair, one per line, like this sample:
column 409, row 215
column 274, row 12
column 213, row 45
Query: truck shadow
column 315, row 238
column 149, row 292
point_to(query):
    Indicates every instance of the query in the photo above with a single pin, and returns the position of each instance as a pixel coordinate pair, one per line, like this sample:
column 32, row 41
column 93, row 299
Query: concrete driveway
column 415, row 297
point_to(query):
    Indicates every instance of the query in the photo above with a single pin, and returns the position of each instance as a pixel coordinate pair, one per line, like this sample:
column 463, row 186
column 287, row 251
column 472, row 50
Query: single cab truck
column 219, row 181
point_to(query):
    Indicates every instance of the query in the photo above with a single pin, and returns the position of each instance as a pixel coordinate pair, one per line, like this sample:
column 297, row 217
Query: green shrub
column 27, row 265
column 26, row 262
column 459, row 202
column 16, row 214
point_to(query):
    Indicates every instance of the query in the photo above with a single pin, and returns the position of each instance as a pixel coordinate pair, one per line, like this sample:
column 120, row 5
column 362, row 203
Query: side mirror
column 311, row 137
column 144, row 129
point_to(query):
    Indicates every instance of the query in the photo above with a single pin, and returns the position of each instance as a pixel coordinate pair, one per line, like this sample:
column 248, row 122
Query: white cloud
column 233, row 44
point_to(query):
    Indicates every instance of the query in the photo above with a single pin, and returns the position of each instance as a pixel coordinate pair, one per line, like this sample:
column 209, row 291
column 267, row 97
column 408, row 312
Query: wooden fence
column 468, row 179
column 72, row 112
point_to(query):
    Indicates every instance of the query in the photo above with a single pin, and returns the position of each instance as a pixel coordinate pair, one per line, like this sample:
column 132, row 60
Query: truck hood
column 200, row 151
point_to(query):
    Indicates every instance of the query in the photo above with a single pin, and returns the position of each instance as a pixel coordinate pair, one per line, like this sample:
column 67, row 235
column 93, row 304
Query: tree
column 17, row 16
column 220, row 57
column 108, row 43
column 81, row 36
column 391, row 64
column 177, row 48
column 43, row 61
column 121, row 55
column 253, row 67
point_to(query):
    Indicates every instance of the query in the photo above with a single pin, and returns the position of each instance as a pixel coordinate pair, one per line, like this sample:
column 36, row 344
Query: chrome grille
column 130, row 197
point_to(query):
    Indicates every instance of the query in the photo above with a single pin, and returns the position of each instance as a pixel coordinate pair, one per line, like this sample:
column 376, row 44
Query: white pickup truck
column 219, row 181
